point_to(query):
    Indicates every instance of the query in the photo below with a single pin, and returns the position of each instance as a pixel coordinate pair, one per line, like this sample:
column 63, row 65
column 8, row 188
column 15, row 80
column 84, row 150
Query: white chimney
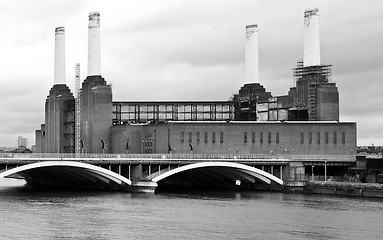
column 94, row 61
column 59, row 71
column 251, row 55
column 311, row 44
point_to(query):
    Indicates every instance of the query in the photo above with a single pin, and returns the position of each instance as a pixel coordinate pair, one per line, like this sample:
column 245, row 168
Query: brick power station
column 302, row 123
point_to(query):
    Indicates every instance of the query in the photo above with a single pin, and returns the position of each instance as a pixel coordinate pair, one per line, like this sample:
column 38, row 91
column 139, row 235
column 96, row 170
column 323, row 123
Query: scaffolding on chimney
column 308, row 80
column 319, row 73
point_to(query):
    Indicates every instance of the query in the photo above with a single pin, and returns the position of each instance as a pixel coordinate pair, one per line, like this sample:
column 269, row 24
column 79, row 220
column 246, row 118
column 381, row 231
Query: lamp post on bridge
column 312, row 172
column 325, row 170
column 103, row 146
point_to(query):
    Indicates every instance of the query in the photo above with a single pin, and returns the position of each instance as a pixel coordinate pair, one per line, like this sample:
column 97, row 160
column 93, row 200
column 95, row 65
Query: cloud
column 187, row 50
column 181, row 81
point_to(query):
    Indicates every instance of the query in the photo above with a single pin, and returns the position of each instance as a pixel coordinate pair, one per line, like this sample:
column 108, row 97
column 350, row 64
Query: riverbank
column 352, row 189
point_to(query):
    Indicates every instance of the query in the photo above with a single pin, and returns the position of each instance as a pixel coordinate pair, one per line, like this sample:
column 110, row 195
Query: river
column 37, row 214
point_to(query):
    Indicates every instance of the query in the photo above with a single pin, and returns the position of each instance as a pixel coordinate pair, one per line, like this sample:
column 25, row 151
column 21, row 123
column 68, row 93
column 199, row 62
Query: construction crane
column 77, row 110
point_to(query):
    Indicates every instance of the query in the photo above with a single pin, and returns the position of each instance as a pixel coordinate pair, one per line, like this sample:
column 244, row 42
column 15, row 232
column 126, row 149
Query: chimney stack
column 251, row 55
column 311, row 43
column 94, row 61
column 59, row 71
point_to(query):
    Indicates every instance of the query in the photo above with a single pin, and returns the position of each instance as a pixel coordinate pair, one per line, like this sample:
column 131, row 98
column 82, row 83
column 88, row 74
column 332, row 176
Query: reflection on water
column 31, row 214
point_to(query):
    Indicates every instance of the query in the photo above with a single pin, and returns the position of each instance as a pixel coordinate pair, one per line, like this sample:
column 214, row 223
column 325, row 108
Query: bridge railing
column 291, row 157
column 321, row 158
column 136, row 156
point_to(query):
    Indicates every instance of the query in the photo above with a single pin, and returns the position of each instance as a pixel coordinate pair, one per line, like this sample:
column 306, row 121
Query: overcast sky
column 187, row 50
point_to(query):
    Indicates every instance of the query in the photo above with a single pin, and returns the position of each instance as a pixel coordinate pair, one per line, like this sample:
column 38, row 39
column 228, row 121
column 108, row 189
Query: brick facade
column 303, row 138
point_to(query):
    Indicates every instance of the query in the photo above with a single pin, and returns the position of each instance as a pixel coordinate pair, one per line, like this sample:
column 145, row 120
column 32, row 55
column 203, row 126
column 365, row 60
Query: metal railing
column 233, row 157
column 130, row 156
column 321, row 178
column 322, row 158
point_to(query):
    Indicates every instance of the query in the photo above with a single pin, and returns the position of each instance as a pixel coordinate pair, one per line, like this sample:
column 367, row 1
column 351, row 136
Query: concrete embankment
column 345, row 189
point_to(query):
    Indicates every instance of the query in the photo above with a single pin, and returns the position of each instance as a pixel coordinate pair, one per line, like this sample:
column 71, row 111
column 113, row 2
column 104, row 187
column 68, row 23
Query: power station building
column 303, row 123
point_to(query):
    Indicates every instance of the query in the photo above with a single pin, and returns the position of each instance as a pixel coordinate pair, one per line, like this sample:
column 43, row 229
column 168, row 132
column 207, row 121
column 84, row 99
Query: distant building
column 22, row 149
column 22, row 141
column 370, row 149
column 6, row 149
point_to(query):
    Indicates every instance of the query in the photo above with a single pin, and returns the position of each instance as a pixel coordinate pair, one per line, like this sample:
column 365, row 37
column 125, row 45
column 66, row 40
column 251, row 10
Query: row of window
column 269, row 137
column 205, row 137
column 326, row 137
column 302, row 137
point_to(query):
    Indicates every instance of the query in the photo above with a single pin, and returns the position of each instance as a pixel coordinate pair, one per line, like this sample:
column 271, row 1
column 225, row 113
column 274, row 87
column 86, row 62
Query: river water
column 36, row 214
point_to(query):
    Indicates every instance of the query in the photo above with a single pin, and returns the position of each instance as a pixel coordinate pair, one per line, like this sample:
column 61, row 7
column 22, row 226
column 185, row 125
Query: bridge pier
column 135, row 172
column 295, row 179
column 144, row 186
column 140, row 184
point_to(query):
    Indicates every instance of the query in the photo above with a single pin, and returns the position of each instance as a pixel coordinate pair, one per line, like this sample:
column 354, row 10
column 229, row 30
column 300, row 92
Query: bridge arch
column 68, row 173
column 237, row 170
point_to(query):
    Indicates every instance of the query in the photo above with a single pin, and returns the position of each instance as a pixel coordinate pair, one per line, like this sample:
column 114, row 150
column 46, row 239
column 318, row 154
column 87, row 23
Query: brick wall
column 305, row 138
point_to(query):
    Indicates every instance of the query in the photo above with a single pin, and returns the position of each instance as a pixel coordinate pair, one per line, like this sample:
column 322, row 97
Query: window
column 213, row 137
column 197, row 137
column 261, row 137
column 343, row 137
column 326, row 137
column 310, row 137
column 221, row 137
column 190, row 137
column 253, row 137
column 182, row 137
column 205, row 137
column 245, row 137
column 335, row 138
column 277, row 138
column 318, row 137
column 302, row 137
column 269, row 137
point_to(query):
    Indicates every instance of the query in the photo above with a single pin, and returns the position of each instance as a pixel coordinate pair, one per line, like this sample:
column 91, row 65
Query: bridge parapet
column 321, row 158
column 143, row 156
column 176, row 157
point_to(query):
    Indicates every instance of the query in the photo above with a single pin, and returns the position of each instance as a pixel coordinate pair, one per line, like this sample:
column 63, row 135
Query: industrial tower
column 77, row 109
column 314, row 93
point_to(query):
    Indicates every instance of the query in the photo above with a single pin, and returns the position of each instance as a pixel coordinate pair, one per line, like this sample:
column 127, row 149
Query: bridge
column 146, row 172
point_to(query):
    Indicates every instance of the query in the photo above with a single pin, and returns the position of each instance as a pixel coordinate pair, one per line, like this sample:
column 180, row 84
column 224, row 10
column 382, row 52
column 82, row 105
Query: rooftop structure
column 163, row 111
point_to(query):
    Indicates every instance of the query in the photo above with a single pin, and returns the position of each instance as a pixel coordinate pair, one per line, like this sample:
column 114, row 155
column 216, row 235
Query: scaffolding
column 308, row 79
column 69, row 133
column 77, row 109
column 320, row 73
